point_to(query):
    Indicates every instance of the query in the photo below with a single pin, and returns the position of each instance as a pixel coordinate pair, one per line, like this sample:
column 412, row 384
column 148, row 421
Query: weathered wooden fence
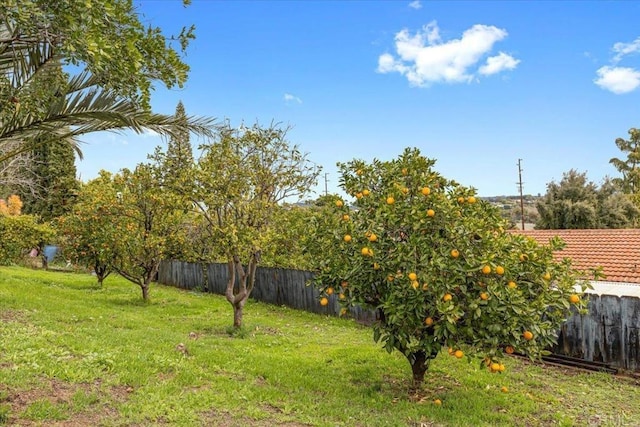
column 273, row 285
column 609, row 333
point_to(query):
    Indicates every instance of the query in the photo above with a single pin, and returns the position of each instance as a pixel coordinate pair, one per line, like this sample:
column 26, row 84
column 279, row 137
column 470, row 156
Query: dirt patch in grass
column 12, row 316
column 97, row 409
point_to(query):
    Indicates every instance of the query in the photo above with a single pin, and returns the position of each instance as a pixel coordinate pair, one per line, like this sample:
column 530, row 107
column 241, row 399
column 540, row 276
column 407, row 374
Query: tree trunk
column 145, row 291
column 419, row 365
column 205, row 276
column 237, row 314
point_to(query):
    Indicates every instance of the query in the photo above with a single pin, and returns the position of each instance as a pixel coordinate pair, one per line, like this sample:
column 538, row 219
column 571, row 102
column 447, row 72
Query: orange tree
column 89, row 232
column 436, row 264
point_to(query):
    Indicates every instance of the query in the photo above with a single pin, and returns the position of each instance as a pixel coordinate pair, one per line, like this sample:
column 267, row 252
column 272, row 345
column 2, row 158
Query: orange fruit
column 342, row 296
column 471, row 199
column 484, row 296
column 501, row 367
column 437, row 402
column 500, row 270
column 431, row 213
column 339, row 203
column 373, row 237
column 547, row 276
column 347, row 238
column 504, row 389
column 415, row 284
column 455, row 253
column 344, row 283
column 486, row 269
column 447, row 297
column 376, row 266
column 494, row 367
column 512, row 285
column 390, row 200
column 365, row 192
column 574, row 299
column 413, row 276
column 509, row 349
column 324, row 301
column 428, row 321
column 527, row 335
column 390, row 278
column 329, row 290
column 345, row 217
column 404, row 171
column 425, row 286
column 359, row 172
column 523, row 257
column 366, row 251
column 405, row 190
column 358, row 195
column 458, row 354
column 450, row 351
column 425, row 191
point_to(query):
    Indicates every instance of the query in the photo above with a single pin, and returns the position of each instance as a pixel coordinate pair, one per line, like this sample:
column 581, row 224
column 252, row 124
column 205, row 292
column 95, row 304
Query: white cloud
column 623, row 49
column 415, row 4
column 618, row 80
column 496, row 64
column 423, row 58
column 288, row 98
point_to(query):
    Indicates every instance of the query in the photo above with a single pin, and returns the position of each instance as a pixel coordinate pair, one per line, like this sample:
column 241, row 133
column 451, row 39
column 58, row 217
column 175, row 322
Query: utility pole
column 520, row 188
column 326, row 191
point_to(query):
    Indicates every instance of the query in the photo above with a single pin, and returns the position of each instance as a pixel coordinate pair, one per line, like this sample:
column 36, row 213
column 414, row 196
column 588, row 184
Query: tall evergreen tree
column 179, row 157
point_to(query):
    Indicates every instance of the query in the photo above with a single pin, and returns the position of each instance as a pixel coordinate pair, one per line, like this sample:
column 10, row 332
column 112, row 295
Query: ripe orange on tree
column 365, row 192
column 390, row 200
column 500, row 270
column 431, row 213
column 345, row 217
column 415, row 284
column 373, row 237
column 486, row 269
column 574, row 299
column 527, row 335
column 428, row 321
column 324, row 301
column 471, row 199
column 413, row 276
column 512, row 285
column 425, row 191
column 484, row 296
column 329, row 290
column 339, row 203
column 447, row 297
column 347, row 238
column 455, row 253
column 509, row 349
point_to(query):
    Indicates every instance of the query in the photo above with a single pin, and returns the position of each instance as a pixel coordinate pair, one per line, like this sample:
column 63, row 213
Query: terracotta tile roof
column 616, row 251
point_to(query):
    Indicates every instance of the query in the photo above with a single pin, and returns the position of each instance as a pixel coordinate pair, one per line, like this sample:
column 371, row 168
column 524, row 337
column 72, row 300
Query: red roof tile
column 616, row 251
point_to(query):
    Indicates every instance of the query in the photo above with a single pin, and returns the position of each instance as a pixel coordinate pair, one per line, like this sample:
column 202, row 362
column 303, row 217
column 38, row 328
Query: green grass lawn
column 73, row 354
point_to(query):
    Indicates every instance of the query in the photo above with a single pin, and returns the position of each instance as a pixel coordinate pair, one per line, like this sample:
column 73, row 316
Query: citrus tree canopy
column 438, row 266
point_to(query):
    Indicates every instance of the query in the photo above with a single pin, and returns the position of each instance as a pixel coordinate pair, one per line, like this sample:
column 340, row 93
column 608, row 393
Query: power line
column 520, row 189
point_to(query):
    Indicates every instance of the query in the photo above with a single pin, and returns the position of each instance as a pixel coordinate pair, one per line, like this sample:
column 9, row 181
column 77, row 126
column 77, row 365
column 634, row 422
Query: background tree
column 571, row 203
column 629, row 167
column 576, row 203
column 438, row 267
column 240, row 180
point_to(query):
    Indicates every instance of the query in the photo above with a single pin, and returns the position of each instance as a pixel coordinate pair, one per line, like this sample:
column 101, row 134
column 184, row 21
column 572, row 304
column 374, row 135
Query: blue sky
column 476, row 85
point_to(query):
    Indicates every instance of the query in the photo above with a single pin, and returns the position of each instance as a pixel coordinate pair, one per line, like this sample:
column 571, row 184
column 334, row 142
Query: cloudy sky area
column 475, row 85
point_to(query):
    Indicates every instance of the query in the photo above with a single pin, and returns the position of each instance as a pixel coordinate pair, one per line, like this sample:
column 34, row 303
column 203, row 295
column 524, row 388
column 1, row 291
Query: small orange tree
column 439, row 268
